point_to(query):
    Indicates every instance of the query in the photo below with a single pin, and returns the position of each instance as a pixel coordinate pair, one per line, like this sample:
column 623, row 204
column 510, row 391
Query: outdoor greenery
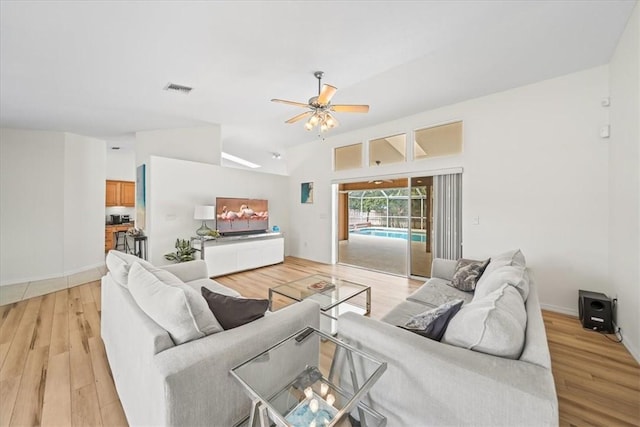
column 392, row 204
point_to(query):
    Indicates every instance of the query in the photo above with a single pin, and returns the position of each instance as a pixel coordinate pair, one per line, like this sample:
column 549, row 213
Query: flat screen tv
column 241, row 216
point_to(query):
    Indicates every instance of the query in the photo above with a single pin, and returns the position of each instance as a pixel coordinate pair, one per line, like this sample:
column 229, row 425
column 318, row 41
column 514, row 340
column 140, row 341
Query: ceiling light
column 276, row 156
column 378, row 182
column 238, row 160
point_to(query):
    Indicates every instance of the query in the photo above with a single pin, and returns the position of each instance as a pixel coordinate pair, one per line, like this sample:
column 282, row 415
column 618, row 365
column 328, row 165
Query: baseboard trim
column 52, row 276
column 84, row 268
column 558, row 309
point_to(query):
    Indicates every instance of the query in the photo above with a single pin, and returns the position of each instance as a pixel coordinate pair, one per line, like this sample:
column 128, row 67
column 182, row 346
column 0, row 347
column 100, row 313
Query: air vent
column 178, row 88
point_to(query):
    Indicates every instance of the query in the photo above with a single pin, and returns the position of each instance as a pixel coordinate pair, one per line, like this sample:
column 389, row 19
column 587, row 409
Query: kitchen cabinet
column 109, row 230
column 120, row 193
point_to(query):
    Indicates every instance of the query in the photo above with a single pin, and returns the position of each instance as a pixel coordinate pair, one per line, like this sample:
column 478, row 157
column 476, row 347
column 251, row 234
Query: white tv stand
column 226, row 255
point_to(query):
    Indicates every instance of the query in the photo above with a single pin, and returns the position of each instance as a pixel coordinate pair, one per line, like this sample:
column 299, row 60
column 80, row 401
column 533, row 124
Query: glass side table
column 310, row 379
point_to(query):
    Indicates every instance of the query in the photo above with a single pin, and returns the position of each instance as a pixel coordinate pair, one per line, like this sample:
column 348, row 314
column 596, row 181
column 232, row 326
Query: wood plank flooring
column 54, row 371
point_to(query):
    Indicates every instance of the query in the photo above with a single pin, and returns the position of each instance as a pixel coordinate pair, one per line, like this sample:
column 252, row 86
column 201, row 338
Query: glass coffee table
column 335, row 296
column 310, row 379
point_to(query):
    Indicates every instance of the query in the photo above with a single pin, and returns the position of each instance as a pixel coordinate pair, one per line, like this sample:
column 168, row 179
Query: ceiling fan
column 320, row 107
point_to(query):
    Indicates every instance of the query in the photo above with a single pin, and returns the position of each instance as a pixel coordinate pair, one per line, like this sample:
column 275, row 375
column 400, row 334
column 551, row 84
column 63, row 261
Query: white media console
column 227, row 255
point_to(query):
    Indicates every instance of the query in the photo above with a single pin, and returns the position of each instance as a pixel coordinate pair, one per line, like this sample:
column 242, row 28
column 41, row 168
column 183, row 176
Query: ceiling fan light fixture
column 314, row 119
column 330, row 121
column 320, row 107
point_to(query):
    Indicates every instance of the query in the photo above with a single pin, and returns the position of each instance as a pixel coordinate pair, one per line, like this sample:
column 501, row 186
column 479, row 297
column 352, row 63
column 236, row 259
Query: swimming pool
column 395, row 233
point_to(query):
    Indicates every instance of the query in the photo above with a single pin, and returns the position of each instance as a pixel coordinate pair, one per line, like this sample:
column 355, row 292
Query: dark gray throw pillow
column 467, row 273
column 232, row 312
column 432, row 323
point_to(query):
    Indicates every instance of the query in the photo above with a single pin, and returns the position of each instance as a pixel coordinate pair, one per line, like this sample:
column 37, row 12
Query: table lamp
column 204, row 213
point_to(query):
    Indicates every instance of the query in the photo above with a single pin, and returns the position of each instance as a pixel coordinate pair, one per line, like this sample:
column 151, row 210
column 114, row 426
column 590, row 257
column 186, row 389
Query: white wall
column 177, row 186
column 51, row 204
column 121, row 164
column 31, row 205
column 535, row 172
column 624, row 183
column 84, row 194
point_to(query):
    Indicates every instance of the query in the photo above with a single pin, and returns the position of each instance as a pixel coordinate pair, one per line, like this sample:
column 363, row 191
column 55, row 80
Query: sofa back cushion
column 119, row 264
column 172, row 304
column 513, row 275
column 495, row 324
column 512, row 257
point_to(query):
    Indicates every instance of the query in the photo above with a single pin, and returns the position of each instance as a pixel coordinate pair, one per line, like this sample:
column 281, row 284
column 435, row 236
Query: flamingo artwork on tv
column 241, row 216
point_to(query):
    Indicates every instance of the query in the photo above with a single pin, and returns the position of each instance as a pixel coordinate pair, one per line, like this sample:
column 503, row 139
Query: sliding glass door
column 421, row 226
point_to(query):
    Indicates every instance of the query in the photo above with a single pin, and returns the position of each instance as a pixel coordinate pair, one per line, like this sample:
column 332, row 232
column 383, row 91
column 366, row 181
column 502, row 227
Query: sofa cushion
column 514, row 275
column 232, row 312
column 436, row 292
column 213, row 286
column 432, row 323
column 119, row 264
column 513, row 257
column 178, row 308
column 467, row 273
column 494, row 324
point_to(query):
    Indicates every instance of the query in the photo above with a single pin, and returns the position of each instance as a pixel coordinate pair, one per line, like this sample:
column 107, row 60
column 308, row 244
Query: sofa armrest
column 188, row 271
column 443, row 268
column 431, row 383
column 196, row 374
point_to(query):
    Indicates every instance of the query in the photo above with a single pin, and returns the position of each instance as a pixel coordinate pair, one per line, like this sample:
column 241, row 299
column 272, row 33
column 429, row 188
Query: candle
column 308, row 392
column 313, row 405
column 324, row 388
column 331, row 399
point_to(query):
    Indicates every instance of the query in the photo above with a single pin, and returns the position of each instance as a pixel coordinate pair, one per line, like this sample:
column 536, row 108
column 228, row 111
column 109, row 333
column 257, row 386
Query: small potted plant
column 184, row 252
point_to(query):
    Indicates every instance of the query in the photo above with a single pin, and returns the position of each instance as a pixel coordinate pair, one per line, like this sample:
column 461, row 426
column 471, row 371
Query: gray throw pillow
column 433, row 323
column 232, row 312
column 467, row 274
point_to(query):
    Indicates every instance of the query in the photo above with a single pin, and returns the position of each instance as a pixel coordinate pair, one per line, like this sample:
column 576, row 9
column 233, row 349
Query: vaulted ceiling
column 99, row 68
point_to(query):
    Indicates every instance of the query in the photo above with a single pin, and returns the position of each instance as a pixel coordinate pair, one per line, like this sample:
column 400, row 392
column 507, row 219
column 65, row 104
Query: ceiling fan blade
column 284, row 101
column 350, row 108
column 326, row 94
column 299, row 117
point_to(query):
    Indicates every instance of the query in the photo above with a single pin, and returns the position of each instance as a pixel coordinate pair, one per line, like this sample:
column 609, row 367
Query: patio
column 384, row 254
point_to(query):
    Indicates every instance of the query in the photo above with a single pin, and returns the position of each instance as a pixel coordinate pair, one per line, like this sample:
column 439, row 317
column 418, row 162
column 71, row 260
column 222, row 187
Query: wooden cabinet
column 109, row 241
column 128, row 193
column 113, row 188
column 120, row 193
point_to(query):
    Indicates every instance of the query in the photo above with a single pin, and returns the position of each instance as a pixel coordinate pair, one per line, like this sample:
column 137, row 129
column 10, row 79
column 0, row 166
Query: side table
column 138, row 247
column 294, row 383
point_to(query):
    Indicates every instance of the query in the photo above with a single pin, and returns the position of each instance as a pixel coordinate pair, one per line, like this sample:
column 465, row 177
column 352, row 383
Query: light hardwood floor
column 53, row 368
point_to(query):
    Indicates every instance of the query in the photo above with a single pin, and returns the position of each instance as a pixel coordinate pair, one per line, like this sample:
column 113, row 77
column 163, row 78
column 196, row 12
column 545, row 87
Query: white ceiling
column 98, row 68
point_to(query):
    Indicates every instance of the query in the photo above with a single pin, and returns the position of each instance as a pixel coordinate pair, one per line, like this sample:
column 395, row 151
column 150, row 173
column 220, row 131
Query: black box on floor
column 595, row 311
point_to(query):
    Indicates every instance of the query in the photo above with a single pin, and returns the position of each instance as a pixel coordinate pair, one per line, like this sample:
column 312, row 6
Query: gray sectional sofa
column 161, row 383
column 458, row 381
